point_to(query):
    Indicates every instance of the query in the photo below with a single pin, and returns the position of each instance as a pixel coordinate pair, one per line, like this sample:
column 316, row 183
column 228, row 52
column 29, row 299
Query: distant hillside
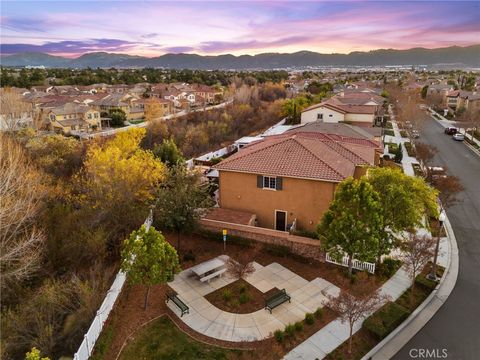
column 463, row 56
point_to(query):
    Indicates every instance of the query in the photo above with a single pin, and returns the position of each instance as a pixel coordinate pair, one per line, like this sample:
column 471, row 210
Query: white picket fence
column 356, row 264
column 89, row 339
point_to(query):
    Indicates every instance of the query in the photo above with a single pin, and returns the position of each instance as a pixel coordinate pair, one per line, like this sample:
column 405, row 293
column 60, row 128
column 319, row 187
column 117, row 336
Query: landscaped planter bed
column 239, row 297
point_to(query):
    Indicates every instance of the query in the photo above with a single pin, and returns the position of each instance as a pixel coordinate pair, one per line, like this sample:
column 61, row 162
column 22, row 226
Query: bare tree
column 14, row 110
column 449, row 187
column 417, row 251
column 425, row 153
column 20, row 194
column 356, row 302
column 242, row 266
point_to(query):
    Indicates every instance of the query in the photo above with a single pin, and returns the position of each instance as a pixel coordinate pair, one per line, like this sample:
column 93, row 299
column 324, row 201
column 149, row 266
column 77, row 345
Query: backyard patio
column 203, row 317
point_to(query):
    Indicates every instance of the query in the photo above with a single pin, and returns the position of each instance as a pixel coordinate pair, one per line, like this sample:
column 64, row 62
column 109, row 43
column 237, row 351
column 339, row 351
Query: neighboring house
column 207, row 94
column 451, row 99
column 334, row 113
column 290, row 179
column 111, row 102
column 73, row 117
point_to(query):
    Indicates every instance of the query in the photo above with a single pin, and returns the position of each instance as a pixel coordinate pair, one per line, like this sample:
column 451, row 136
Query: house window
column 269, row 182
column 330, row 115
column 319, row 116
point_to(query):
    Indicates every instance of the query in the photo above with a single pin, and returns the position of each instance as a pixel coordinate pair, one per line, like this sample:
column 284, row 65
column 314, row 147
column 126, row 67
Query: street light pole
column 441, row 219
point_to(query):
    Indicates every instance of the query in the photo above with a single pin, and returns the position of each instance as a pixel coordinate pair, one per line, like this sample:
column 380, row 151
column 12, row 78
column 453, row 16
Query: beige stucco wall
column 329, row 116
column 305, row 200
column 364, row 118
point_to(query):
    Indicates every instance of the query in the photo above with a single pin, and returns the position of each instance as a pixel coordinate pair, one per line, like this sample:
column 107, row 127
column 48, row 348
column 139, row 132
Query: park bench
column 213, row 275
column 176, row 300
column 276, row 300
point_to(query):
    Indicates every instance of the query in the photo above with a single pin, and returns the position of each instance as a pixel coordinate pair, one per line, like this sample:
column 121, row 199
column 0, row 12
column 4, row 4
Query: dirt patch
column 239, row 297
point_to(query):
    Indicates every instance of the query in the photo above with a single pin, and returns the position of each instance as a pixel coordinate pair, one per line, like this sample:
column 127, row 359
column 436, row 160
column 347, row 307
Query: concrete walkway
column 327, row 339
column 209, row 320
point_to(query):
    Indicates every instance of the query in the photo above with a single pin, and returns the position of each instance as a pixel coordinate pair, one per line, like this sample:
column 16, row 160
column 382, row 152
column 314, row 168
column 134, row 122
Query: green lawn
column 162, row 340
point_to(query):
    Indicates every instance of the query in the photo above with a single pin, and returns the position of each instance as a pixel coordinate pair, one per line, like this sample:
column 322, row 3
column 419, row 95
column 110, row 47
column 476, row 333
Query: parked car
column 415, row 134
column 451, row 130
column 458, row 137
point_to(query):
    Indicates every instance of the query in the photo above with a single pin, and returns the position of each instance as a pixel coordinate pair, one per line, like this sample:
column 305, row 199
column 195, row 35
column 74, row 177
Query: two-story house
column 291, row 178
column 73, row 117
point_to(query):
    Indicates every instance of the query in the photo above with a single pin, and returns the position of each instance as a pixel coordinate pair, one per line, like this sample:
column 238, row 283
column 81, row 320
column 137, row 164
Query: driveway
column 456, row 326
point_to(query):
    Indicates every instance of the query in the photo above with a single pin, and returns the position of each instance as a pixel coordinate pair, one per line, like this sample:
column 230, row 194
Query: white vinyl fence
column 89, row 339
column 356, row 264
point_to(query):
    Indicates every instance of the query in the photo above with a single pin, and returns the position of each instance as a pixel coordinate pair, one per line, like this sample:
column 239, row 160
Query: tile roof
column 327, row 157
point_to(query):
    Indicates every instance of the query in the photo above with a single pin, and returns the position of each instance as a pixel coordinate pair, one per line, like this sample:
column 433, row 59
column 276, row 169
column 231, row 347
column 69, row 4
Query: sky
column 152, row 28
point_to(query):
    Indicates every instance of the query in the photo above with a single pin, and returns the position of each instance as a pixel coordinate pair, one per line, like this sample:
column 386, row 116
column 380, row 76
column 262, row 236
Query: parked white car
column 458, row 137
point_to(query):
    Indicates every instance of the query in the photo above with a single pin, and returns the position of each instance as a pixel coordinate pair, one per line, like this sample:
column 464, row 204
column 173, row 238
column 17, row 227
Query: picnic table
column 209, row 269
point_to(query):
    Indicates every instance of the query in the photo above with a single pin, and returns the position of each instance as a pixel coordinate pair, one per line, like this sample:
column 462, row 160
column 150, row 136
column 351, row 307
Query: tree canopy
column 148, row 259
column 180, row 200
column 353, row 225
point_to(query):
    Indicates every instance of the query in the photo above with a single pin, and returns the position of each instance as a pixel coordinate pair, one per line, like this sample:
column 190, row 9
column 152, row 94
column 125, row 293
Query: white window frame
column 269, row 183
column 320, row 116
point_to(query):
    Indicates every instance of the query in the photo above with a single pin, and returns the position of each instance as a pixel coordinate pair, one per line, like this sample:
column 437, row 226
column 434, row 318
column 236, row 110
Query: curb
column 397, row 339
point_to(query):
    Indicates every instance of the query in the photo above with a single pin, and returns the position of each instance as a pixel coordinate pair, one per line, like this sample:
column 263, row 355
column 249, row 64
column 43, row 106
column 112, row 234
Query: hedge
column 388, row 132
column 385, row 320
column 425, row 282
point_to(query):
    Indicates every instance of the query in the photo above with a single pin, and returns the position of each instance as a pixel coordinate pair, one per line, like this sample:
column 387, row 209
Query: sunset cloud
column 152, row 28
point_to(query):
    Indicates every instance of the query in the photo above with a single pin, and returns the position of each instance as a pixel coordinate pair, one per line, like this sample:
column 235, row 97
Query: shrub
column 306, row 233
column 399, row 154
column 227, row 294
column 388, row 132
column 290, row 330
column 385, row 320
column 188, row 256
column 279, row 335
column 242, row 288
column 298, row 326
column 244, row 297
column 388, row 267
column 234, row 303
column 425, row 282
column 309, row 318
column 403, row 133
column 319, row 313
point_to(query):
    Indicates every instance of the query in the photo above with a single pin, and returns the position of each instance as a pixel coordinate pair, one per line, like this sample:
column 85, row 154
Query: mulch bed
column 256, row 299
column 362, row 342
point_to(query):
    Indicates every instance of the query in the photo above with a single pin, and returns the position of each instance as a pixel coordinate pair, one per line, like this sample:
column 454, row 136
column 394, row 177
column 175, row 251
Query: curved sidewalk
column 389, row 346
column 209, row 320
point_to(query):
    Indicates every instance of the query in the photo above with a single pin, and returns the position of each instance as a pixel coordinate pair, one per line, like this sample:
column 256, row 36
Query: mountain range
column 460, row 56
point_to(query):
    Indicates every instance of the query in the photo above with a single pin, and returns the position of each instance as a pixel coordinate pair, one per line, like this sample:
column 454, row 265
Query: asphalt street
column 456, row 326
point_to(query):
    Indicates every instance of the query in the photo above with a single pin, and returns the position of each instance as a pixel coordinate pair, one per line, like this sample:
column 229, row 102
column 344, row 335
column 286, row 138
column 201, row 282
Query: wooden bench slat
column 276, row 300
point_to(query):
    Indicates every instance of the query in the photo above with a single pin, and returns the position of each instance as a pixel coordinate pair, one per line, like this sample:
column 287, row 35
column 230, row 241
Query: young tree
column 399, row 154
column 181, row 200
column 242, row 266
column 448, row 187
column 417, row 251
column 425, row 153
column 405, row 201
column 168, row 152
column 353, row 225
column 355, row 302
column 21, row 193
column 147, row 258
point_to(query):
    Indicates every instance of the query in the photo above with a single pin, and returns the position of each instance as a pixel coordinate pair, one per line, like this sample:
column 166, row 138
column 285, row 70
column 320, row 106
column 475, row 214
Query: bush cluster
column 385, row 320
